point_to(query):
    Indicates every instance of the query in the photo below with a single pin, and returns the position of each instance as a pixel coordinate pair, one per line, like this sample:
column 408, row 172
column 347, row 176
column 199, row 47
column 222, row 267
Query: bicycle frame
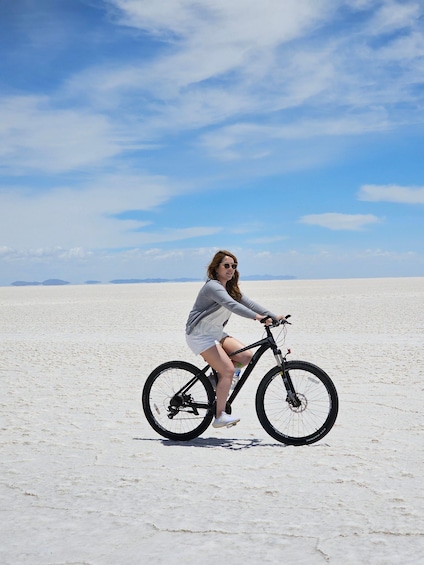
column 267, row 342
column 264, row 344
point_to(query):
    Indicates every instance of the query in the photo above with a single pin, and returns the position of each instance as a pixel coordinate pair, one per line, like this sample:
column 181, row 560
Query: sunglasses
column 228, row 265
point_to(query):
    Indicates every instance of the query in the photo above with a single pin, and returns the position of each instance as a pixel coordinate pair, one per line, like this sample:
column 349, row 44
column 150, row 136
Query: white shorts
column 200, row 343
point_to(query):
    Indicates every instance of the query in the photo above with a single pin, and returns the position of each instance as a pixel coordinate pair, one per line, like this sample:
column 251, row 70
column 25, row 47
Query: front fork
column 292, row 397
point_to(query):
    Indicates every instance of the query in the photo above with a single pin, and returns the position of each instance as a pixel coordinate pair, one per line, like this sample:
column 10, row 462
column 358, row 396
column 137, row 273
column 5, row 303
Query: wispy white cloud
column 336, row 221
column 88, row 216
column 220, row 55
column 177, row 234
column 394, row 16
column 44, row 254
column 392, row 193
column 253, row 45
column 225, row 55
column 36, row 136
column 240, row 22
column 240, row 66
column 240, row 140
column 396, row 255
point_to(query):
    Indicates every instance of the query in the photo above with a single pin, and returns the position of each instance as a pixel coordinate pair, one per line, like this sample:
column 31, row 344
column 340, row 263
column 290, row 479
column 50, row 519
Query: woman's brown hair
column 232, row 285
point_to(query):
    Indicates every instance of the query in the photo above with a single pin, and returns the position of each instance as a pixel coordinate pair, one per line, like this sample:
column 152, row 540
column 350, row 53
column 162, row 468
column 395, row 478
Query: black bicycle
column 296, row 401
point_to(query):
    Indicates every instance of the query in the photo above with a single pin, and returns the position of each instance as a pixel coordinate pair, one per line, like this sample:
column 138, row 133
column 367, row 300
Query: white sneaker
column 225, row 420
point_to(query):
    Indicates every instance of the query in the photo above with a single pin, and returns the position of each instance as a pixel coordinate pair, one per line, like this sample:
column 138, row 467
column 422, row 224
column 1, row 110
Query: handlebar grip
column 275, row 323
column 281, row 322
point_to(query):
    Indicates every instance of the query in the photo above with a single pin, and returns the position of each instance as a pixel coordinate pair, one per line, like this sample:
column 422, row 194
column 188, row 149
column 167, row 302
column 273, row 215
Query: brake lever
column 285, row 321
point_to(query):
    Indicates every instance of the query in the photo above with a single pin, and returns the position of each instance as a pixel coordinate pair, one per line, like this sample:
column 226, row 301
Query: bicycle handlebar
column 276, row 323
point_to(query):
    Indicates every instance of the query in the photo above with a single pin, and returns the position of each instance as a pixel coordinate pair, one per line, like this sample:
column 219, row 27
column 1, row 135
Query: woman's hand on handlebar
column 268, row 321
column 281, row 320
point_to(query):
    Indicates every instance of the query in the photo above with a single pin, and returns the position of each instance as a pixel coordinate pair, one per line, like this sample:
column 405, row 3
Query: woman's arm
column 219, row 294
column 261, row 311
column 246, row 308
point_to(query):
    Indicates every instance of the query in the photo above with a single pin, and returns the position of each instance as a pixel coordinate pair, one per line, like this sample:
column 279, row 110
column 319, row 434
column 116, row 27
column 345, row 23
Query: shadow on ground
column 210, row 442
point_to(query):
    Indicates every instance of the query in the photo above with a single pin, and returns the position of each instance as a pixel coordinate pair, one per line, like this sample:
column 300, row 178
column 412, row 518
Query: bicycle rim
column 172, row 410
column 318, row 404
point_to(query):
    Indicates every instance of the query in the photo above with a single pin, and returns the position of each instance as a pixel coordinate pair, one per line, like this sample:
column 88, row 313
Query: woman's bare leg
column 231, row 344
column 218, row 359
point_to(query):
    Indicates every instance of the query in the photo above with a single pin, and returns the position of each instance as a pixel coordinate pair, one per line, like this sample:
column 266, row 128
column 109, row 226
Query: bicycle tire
column 180, row 417
column 315, row 416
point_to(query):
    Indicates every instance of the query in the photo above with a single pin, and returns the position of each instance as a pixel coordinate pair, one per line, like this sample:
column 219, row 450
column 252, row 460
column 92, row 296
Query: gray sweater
column 213, row 295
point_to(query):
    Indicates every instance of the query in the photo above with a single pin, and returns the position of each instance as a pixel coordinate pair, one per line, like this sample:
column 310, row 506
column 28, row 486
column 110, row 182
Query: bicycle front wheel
column 178, row 401
column 304, row 417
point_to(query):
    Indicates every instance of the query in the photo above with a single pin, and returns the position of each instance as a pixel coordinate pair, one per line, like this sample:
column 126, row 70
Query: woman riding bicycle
column 217, row 299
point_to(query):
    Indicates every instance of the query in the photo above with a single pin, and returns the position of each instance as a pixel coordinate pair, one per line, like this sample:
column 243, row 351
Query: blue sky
column 138, row 137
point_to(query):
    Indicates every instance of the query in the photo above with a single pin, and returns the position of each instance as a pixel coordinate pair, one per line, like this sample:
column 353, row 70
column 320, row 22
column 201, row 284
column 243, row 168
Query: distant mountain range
column 48, row 282
column 59, row 282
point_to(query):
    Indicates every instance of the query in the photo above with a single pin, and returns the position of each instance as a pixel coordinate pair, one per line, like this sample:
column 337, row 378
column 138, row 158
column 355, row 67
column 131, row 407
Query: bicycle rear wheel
column 178, row 401
column 310, row 416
